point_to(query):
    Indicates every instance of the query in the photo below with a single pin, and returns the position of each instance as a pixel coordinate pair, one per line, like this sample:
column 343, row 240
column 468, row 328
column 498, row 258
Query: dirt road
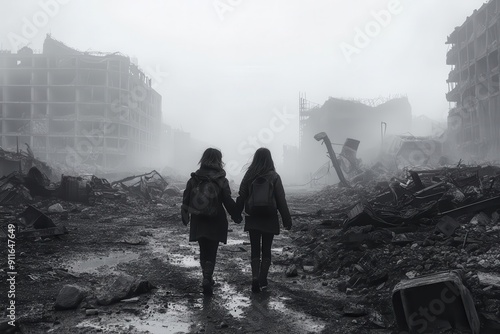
column 147, row 240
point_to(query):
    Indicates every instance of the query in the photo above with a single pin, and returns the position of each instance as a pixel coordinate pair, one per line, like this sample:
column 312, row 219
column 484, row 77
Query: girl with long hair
column 207, row 191
column 261, row 221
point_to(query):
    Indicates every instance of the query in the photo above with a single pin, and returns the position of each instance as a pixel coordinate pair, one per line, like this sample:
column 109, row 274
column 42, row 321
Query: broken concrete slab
column 487, row 279
column 69, row 297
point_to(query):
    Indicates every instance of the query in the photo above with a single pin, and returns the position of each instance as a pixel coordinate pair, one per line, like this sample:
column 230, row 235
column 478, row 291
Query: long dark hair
column 262, row 163
column 212, row 159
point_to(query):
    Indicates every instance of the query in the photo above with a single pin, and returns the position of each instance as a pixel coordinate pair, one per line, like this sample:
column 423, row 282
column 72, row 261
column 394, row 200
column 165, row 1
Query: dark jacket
column 213, row 228
column 265, row 223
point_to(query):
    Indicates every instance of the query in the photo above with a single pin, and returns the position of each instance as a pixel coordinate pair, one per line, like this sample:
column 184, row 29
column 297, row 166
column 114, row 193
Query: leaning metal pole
column 331, row 153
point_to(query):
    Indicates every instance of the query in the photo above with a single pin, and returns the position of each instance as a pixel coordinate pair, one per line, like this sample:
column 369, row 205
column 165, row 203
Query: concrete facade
column 474, row 116
column 77, row 108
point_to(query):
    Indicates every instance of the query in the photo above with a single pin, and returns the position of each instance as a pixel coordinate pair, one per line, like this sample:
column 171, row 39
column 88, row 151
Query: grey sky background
column 228, row 72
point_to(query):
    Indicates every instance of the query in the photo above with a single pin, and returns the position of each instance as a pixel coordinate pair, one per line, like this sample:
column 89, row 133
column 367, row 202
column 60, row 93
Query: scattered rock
column 411, row 274
column 308, row 269
column 377, row 319
column 69, row 297
column 121, row 288
column 146, row 234
column 91, row 311
column 489, row 279
column 56, row 208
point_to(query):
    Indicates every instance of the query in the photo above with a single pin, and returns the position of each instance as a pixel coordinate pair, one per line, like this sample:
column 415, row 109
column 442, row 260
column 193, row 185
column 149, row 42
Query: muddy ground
column 147, row 240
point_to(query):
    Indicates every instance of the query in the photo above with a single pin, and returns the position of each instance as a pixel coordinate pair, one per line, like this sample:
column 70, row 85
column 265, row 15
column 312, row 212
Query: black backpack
column 204, row 197
column 261, row 199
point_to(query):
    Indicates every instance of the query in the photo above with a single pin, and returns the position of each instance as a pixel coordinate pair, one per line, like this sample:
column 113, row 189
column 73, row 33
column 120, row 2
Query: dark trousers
column 208, row 249
column 255, row 242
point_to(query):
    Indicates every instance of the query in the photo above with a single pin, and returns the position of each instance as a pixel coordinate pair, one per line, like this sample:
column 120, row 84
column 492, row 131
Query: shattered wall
column 342, row 119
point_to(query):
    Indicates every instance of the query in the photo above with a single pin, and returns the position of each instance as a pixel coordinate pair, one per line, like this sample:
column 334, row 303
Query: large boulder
column 69, row 297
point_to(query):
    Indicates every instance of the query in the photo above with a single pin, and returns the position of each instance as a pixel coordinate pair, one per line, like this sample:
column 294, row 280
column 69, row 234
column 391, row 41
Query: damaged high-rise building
column 78, row 108
column 474, row 116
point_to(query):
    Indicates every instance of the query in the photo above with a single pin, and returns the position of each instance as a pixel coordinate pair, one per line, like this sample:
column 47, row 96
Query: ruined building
column 474, row 117
column 78, row 108
column 341, row 119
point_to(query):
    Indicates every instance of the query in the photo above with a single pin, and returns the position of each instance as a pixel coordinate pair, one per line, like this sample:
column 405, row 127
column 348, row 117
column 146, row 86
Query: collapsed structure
column 474, row 83
column 341, row 119
column 77, row 107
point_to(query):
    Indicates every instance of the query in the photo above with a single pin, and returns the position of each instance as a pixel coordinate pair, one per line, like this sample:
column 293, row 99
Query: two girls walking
column 261, row 195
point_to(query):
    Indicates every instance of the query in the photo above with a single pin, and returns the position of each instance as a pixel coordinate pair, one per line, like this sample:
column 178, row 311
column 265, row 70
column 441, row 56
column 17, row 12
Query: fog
column 227, row 69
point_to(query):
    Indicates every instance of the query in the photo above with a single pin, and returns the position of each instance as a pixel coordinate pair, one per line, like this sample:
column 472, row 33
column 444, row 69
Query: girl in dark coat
column 262, row 227
column 208, row 229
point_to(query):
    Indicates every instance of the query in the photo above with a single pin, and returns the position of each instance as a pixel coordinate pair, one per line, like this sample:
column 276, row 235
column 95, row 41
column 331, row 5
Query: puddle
column 231, row 242
column 100, row 263
column 188, row 261
column 172, row 318
column 277, row 250
column 234, row 301
column 300, row 320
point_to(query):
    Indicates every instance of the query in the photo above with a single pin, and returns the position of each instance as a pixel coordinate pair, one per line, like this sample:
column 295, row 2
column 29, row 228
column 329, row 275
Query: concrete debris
column 148, row 186
column 12, row 190
column 406, row 225
column 56, row 208
column 489, row 279
column 22, row 162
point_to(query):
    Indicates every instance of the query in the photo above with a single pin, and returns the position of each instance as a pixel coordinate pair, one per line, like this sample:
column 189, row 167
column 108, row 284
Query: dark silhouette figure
column 262, row 220
column 206, row 192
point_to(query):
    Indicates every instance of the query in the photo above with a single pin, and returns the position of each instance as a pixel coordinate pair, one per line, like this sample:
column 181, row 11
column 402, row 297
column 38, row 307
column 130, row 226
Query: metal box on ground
column 435, row 302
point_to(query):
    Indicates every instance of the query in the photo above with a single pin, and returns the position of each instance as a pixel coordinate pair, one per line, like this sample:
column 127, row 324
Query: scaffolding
column 305, row 108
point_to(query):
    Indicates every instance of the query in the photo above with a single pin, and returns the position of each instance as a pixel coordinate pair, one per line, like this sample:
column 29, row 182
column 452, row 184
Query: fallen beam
column 473, row 207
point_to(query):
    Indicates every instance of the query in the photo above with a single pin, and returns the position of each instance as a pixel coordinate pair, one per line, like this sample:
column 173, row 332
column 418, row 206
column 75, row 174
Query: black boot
column 208, row 271
column 255, row 275
column 203, row 268
column 264, row 270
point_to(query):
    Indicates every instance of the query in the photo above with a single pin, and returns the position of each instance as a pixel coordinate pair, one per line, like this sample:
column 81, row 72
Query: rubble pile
column 29, row 198
column 365, row 239
column 147, row 186
column 22, row 162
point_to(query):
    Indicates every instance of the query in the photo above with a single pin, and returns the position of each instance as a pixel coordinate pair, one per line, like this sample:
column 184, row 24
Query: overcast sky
column 232, row 63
